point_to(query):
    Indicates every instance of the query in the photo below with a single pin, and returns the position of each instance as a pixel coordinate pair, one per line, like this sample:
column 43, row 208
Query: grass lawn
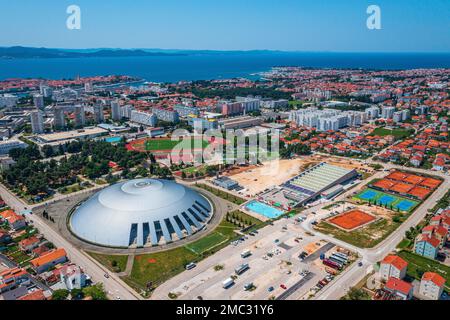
column 107, row 261
column 398, row 133
column 365, row 237
column 167, row 144
column 227, row 229
column 201, row 170
column 417, row 265
column 405, row 243
column 156, row 268
column 209, row 242
column 20, row 257
column 71, row 189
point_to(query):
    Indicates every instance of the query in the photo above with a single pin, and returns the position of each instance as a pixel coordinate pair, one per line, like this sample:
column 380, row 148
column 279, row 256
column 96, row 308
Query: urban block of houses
column 4, row 237
column 29, row 244
column 428, row 146
column 14, row 220
column 12, row 278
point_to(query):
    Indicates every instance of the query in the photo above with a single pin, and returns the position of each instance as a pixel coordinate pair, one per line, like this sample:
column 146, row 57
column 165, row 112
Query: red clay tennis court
column 352, row 219
column 401, row 188
column 413, row 179
column 397, row 175
column 384, row 184
column 430, row 183
column 420, row 193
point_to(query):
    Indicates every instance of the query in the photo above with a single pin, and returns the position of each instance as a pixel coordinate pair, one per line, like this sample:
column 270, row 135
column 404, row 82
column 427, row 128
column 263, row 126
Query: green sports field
column 398, row 133
column 210, row 241
column 167, row 144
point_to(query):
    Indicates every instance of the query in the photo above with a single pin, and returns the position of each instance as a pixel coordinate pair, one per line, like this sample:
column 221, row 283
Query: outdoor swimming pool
column 113, row 139
column 264, row 210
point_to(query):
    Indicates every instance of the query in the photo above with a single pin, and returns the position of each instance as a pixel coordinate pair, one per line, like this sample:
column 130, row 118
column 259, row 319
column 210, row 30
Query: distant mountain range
column 45, row 53
column 20, row 52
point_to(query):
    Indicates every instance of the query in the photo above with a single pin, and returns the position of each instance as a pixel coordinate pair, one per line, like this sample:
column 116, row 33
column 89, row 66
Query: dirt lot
column 273, row 173
column 269, row 174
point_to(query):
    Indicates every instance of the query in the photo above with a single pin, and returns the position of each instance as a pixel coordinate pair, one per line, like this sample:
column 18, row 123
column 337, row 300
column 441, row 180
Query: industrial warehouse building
column 141, row 213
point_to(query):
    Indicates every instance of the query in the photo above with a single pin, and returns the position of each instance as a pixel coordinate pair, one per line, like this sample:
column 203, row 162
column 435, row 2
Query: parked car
column 190, row 266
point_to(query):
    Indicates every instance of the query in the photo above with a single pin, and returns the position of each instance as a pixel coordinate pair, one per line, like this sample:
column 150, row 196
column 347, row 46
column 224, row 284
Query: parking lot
column 275, row 269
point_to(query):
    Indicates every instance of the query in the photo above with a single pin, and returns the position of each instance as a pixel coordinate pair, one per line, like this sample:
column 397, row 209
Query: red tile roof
column 431, row 240
column 29, row 241
column 11, row 216
column 396, row 261
column 35, row 295
column 433, row 277
column 398, row 285
column 48, row 257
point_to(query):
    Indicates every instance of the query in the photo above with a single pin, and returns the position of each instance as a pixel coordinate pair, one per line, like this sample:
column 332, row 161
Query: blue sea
column 213, row 66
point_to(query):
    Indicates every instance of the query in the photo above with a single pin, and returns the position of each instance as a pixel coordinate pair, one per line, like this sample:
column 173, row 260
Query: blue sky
column 304, row 25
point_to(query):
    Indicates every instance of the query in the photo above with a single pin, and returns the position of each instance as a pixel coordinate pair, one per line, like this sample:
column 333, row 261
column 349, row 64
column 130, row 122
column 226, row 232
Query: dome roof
column 139, row 213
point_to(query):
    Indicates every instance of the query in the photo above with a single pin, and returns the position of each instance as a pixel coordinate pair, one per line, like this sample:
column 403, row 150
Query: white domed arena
column 141, row 213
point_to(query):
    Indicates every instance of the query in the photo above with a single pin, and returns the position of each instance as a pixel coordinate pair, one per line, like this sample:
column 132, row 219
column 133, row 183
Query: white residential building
column 37, row 122
column 249, row 104
column 167, row 115
column 80, row 116
column 406, row 114
column 126, row 111
column 59, row 121
column 393, row 266
column 372, row 113
column 327, row 119
column 38, row 100
column 6, row 146
column 144, row 118
column 115, row 111
column 398, row 116
column 99, row 117
column 431, row 286
column 73, row 277
column 8, row 100
column 387, row 112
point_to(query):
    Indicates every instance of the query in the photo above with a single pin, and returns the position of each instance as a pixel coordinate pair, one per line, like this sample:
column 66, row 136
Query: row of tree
column 92, row 158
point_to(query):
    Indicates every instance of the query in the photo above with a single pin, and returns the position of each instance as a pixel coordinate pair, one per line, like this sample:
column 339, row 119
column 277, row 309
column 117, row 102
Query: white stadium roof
column 141, row 212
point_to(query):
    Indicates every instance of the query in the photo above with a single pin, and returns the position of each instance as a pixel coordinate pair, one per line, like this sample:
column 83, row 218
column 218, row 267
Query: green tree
column 357, row 294
column 77, row 294
column 96, row 292
column 60, row 294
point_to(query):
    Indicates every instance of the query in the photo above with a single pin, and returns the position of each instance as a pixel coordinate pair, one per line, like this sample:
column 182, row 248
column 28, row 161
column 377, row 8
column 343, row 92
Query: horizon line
column 230, row 50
